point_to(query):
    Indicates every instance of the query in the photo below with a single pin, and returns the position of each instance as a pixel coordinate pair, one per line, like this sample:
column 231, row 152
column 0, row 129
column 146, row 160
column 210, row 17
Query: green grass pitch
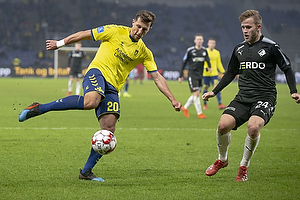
column 160, row 154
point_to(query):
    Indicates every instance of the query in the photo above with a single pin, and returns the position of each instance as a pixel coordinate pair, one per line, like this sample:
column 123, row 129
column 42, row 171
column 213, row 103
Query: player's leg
column 223, row 136
column 197, row 104
column 206, row 81
column 190, row 100
column 92, row 82
column 192, row 85
column 126, row 94
column 66, row 103
column 215, row 82
column 263, row 111
column 197, row 86
column 78, row 84
column 108, row 113
column 252, row 139
column 70, row 85
column 107, row 122
column 231, row 119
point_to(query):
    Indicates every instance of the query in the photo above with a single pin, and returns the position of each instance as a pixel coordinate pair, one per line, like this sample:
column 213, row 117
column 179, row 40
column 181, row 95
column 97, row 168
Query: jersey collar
column 132, row 39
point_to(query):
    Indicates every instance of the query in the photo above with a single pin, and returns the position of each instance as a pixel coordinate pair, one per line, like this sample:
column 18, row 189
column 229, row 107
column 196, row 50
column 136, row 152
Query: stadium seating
column 23, row 32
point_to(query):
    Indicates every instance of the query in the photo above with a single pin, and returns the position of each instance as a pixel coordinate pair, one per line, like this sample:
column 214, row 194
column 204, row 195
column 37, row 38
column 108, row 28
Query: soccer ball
column 104, row 142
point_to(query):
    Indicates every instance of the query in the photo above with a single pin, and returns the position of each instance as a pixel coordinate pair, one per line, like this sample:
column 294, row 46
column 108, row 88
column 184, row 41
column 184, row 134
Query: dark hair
column 146, row 16
column 198, row 34
column 251, row 13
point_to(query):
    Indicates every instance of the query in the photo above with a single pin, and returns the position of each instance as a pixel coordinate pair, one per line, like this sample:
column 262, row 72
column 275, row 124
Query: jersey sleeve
column 233, row 69
column 185, row 59
column 284, row 64
column 103, row 32
column 149, row 62
column 69, row 60
column 234, row 64
column 207, row 59
column 282, row 60
column 219, row 63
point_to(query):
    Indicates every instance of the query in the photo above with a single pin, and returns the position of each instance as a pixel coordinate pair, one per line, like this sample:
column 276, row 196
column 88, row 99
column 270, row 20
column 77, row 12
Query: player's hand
column 210, row 70
column 177, row 105
column 51, row 45
column 296, row 97
column 180, row 79
column 208, row 95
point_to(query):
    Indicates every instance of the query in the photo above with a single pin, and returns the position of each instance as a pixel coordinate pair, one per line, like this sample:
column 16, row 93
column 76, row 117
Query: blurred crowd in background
column 26, row 24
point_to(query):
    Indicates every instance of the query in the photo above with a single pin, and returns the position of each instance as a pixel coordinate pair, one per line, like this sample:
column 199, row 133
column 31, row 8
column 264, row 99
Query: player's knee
column 223, row 128
column 88, row 105
column 91, row 100
column 226, row 124
column 253, row 130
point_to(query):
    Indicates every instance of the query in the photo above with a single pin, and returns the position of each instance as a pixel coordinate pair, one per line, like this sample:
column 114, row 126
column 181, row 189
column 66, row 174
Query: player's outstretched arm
column 162, row 85
column 76, row 37
column 208, row 95
column 296, row 96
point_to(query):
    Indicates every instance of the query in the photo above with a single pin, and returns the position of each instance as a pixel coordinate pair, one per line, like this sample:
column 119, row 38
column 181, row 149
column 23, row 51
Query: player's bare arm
column 76, row 37
column 162, row 85
column 296, row 96
column 208, row 95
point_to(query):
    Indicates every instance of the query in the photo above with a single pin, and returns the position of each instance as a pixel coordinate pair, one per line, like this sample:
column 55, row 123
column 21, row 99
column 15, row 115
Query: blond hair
column 251, row 13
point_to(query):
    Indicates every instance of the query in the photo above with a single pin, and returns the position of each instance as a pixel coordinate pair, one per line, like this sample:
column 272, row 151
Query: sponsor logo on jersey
column 122, row 56
column 252, row 65
column 100, row 29
column 198, row 59
column 239, row 50
column 77, row 54
column 261, row 52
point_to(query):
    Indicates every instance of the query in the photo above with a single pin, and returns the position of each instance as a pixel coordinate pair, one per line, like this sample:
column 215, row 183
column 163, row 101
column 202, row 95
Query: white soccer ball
column 104, row 142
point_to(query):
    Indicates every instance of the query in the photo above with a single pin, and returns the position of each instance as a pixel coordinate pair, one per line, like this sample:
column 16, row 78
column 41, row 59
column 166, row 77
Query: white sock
column 70, row 86
column 78, row 84
column 189, row 102
column 223, row 141
column 197, row 105
column 250, row 146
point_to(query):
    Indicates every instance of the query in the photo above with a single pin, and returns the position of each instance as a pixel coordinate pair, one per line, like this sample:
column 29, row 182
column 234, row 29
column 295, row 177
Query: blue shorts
column 94, row 81
column 210, row 80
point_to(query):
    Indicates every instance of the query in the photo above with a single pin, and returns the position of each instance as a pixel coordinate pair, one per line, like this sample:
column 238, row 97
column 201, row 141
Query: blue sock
column 91, row 161
column 126, row 87
column 204, row 91
column 67, row 103
column 219, row 98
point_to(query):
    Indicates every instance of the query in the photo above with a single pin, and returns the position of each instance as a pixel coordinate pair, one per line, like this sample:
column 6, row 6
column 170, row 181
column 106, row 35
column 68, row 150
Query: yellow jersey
column 118, row 54
column 216, row 64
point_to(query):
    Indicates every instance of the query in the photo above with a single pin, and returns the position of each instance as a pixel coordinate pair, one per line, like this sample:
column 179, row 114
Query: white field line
column 130, row 129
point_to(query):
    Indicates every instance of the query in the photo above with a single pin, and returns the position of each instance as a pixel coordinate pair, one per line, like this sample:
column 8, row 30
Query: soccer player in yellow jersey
column 121, row 50
column 211, row 78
